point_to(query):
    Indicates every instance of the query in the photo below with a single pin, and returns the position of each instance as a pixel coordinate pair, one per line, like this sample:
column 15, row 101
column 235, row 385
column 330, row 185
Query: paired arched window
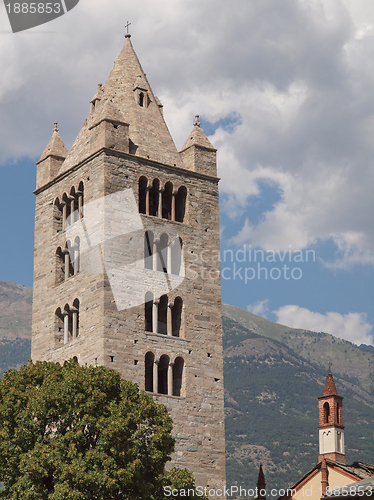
column 163, row 316
column 69, row 208
column 67, row 322
column 165, row 203
column 162, row 255
column 164, row 376
column 68, row 260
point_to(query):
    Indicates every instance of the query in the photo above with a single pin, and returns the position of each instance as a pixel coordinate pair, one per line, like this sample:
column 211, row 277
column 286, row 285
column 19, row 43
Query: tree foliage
column 76, row 433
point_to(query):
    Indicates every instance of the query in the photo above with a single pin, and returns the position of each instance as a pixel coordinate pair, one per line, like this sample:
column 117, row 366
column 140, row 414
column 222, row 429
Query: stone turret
column 51, row 160
column 198, row 154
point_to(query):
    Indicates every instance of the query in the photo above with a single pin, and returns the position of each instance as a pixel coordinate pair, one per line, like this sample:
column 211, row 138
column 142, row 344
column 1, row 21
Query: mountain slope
column 350, row 361
column 15, row 310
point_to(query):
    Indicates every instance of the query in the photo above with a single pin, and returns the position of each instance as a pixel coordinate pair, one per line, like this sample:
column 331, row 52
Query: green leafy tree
column 76, row 433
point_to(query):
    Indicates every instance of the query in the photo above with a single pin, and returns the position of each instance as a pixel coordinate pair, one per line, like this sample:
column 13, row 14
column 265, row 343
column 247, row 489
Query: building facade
column 126, row 267
column 331, row 473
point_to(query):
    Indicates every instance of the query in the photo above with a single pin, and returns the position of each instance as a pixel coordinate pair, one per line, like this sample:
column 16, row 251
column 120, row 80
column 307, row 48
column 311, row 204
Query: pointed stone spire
column 129, row 91
column 51, row 160
column 197, row 137
column 261, row 485
column 198, row 153
column 55, row 147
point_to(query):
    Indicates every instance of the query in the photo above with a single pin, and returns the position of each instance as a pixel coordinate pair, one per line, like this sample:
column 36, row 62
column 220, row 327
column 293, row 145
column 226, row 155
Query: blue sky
column 284, row 91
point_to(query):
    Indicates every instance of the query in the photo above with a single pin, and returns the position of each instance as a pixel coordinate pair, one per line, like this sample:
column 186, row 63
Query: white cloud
column 297, row 73
column 261, row 308
column 352, row 326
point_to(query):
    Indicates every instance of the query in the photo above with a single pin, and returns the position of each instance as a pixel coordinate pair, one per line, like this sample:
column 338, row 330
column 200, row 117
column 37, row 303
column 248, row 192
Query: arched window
column 143, row 182
column 180, row 204
column 69, row 252
column 148, row 250
column 167, row 201
column 68, row 323
column 162, row 251
column 80, row 195
column 154, row 198
column 57, row 215
column 75, row 319
column 141, row 99
column 178, row 376
column 162, row 315
column 59, row 326
column 337, row 413
column 76, row 255
column 65, row 211
column 60, row 266
column 149, row 362
column 148, row 312
column 326, row 413
column 177, row 317
column 73, row 206
column 163, row 366
column 176, row 257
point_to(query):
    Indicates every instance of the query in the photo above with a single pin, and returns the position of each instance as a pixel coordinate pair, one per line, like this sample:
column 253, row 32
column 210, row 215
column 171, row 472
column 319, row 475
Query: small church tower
column 331, row 429
column 126, row 262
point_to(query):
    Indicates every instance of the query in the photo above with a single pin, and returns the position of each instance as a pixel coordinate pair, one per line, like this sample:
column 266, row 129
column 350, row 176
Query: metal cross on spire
column 127, row 27
column 330, row 365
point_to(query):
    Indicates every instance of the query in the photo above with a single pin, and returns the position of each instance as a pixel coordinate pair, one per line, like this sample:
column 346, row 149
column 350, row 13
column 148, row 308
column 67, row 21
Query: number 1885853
column 34, row 8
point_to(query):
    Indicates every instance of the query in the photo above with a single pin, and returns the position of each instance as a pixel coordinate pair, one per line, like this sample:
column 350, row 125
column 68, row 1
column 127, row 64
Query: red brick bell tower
column 331, row 428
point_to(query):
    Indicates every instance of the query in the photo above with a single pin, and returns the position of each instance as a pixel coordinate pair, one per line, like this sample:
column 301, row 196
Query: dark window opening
column 163, row 366
column 177, row 376
column 167, row 201
column 162, row 314
column 177, row 317
column 180, row 204
column 149, row 361
column 326, row 413
column 154, row 198
column 143, row 182
column 148, row 312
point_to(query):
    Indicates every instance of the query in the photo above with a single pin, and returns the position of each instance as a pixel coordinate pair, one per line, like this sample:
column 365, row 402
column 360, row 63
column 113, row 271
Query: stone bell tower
column 126, row 271
column 331, row 429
